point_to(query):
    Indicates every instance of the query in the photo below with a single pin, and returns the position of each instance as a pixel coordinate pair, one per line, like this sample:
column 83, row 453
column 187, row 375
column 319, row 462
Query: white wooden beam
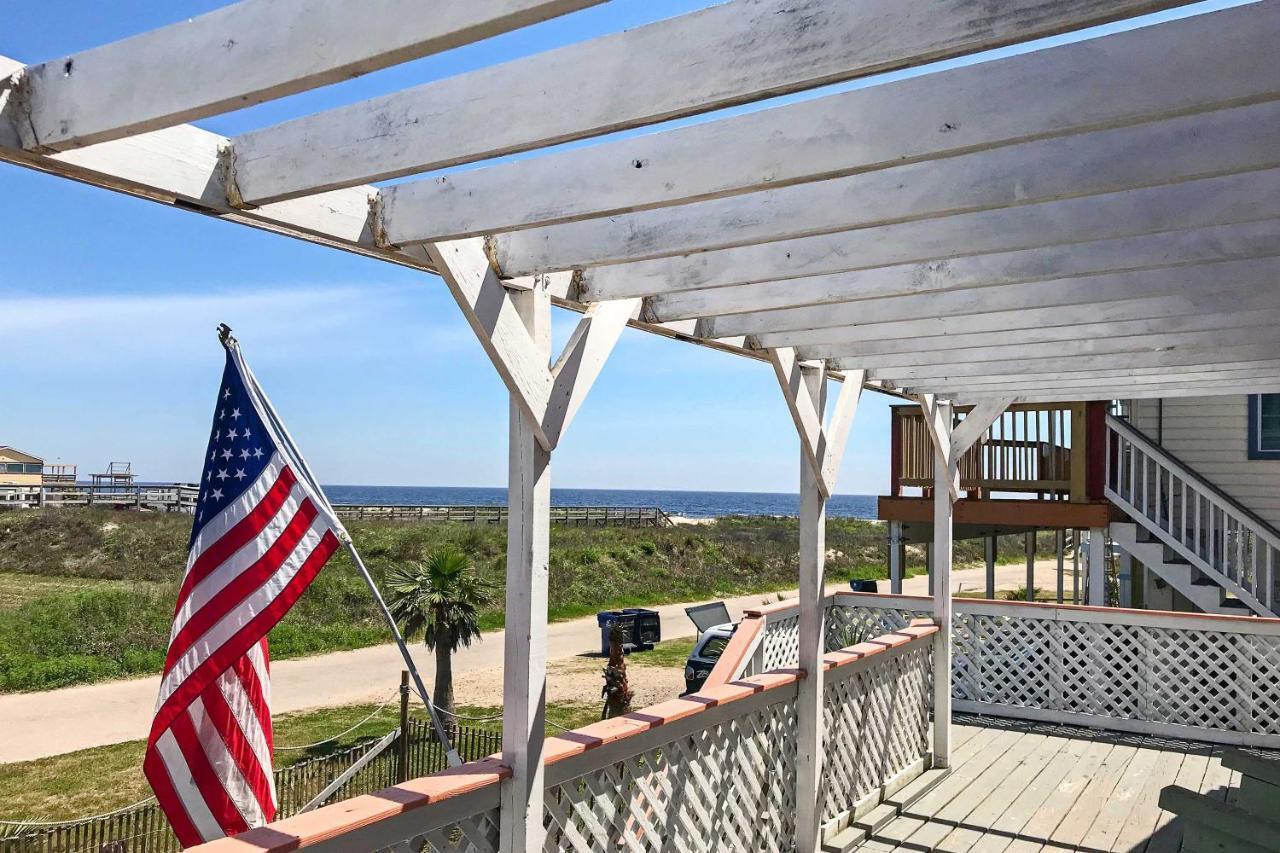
column 995, row 350
column 1225, row 354
column 491, row 312
column 1171, row 68
column 1154, row 326
column 836, row 433
column 975, row 425
column 243, row 54
column 1180, row 207
column 810, row 717
column 1176, row 248
column 716, row 57
column 946, row 486
column 581, row 361
column 1063, row 382
column 806, row 409
column 1147, row 373
column 524, row 668
column 1121, row 391
column 1105, row 161
column 1197, row 288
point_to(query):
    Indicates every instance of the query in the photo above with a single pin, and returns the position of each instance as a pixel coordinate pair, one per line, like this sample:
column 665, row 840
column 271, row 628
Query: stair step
column 864, row 828
column 847, row 839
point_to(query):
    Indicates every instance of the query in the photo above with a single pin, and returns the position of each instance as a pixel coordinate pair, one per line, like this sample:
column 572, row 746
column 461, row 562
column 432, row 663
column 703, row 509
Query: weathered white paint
column 1171, row 389
column 1228, row 242
column 491, row 312
column 996, row 350
column 244, row 54
column 1106, row 161
column 946, row 481
column 1170, row 68
column 1226, row 354
column 1155, row 327
column 1200, row 287
column 1068, row 383
column 723, row 55
column 1097, row 566
column 810, row 728
column 581, row 361
column 1211, row 435
column 1192, row 205
column 524, row 667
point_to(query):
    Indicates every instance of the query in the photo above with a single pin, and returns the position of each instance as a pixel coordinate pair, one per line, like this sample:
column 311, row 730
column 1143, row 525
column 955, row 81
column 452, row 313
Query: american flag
column 262, row 532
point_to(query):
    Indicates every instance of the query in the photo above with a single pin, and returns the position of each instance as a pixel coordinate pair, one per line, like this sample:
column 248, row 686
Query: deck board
column 1029, row 787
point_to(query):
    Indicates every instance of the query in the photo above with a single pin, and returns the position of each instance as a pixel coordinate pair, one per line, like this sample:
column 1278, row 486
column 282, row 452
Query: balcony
column 1115, row 704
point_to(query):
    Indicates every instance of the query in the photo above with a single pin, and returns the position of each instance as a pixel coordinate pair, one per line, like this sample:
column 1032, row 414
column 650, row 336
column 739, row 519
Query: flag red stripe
column 157, row 774
column 238, row 747
column 220, row 804
column 238, row 536
column 240, row 642
column 248, row 675
column 224, row 601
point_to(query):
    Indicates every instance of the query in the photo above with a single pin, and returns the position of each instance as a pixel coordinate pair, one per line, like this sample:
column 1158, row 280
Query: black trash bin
column 864, row 586
column 641, row 628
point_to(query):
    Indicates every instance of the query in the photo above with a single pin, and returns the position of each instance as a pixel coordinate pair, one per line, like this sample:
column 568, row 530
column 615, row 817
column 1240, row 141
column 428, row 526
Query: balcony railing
column 1033, row 448
column 712, row 771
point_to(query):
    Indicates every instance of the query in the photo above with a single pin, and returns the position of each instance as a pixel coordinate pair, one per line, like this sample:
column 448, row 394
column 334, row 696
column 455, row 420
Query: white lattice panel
column 475, row 834
column 781, row 644
column 727, row 787
column 846, row 626
column 1168, row 671
column 877, row 724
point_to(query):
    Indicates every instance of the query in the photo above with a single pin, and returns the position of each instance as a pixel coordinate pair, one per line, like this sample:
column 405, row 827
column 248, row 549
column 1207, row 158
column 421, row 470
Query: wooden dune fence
column 143, row 828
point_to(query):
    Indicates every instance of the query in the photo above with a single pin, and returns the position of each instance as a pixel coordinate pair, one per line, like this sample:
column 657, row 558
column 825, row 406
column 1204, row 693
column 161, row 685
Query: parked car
column 706, row 652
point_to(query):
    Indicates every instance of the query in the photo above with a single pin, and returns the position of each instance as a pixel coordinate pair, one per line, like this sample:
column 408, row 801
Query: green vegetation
column 87, row 595
column 440, row 598
column 666, row 653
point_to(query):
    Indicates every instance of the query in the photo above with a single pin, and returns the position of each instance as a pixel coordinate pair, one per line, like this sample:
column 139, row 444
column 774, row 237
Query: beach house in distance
column 1179, row 498
column 20, row 469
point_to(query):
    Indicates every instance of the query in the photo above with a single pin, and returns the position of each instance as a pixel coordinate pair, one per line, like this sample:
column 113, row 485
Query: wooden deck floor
column 1022, row 787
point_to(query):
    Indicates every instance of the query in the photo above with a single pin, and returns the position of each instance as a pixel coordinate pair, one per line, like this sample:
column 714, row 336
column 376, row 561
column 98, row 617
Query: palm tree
column 441, row 598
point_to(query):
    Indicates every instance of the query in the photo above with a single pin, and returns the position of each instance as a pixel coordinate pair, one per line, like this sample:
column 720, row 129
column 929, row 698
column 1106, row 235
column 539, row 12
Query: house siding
column 1211, row 435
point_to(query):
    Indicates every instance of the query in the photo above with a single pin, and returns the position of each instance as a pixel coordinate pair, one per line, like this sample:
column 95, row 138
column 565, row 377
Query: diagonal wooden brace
column 551, row 396
column 950, row 445
column 823, row 446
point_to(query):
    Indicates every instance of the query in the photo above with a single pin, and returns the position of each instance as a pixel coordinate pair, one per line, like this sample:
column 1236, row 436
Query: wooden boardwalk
column 1022, row 787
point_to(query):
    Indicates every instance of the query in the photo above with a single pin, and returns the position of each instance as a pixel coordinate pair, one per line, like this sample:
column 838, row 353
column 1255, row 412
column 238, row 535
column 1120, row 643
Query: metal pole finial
column 224, row 335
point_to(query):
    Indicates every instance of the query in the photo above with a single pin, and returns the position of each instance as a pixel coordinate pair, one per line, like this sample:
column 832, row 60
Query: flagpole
column 282, row 434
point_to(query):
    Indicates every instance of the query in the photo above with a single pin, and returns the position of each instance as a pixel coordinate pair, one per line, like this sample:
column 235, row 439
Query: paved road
column 57, row 721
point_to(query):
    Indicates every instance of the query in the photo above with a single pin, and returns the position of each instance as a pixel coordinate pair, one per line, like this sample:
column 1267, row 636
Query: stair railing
column 1227, row 542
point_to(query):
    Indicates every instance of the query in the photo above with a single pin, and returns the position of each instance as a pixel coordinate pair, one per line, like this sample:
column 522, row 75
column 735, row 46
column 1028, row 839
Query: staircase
column 1204, row 544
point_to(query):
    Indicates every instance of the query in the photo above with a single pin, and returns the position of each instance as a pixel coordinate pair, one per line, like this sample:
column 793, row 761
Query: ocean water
column 690, row 504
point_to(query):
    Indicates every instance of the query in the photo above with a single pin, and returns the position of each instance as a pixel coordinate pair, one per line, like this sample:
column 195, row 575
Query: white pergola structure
column 1093, row 220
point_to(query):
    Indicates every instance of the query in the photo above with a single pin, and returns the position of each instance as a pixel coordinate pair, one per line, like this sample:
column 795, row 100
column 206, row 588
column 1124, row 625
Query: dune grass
column 87, row 594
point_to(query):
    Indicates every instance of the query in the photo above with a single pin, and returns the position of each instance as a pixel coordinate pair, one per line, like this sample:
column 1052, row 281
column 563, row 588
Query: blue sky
column 108, row 305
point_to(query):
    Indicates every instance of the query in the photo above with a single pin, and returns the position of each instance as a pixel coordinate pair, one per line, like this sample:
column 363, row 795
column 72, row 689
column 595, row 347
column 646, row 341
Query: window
column 12, row 467
column 34, row 468
column 714, row 648
column 1264, row 426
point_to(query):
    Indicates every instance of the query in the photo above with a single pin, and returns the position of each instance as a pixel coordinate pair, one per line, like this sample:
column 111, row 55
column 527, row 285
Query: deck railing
column 708, row 772
column 1030, row 448
column 1188, row 675
column 1214, row 533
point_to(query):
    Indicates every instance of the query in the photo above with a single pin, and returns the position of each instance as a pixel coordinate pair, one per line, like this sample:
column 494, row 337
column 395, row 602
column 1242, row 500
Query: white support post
column 945, row 474
column 1124, row 578
column 1075, row 567
column 810, row 734
column 524, row 673
column 991, row 566
column 950, row 443
column 821, row 449
column 1031, row 565
column 1097, row 582
column 1059, row 544
column 895, row 557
